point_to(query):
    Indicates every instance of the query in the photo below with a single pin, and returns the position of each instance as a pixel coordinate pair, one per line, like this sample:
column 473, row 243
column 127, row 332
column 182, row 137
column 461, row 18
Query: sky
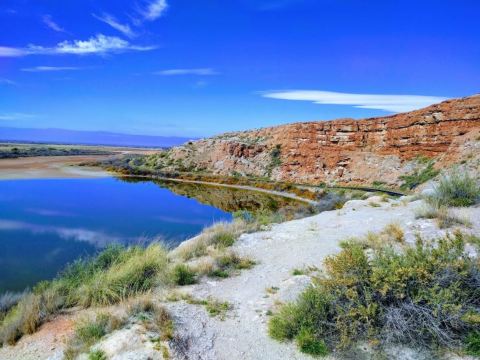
column 202, row 67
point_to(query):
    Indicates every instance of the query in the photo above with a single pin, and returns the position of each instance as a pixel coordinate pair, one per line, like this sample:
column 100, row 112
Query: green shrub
column 456, row 189
column 224, row 239
column 183, row 275
column 97, row 355
column 309, row 344
column 472, row 344
column 424, row 295
column 418, row 177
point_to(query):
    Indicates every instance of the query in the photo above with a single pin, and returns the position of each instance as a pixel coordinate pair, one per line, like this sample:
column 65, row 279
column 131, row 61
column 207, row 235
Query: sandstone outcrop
column 345, row 151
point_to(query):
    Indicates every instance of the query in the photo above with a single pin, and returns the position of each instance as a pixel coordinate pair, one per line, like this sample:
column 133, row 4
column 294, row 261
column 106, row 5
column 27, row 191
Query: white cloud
column 16, row 116
column 6, row 51
column 154, row 10
column 391, row 103
column 99, row 44
column 50, row 68
column 175, row 72
column 47, row 20
column 113, row 22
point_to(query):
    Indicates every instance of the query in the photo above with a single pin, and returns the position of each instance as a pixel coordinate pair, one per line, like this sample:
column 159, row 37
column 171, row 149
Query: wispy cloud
column 108, row 19
column 16, row 116
column 50, row 68
column 7, row 81
column 47, row 20
column 99, row 44
column 176, row 72
column 391, row 103
column 154, row 10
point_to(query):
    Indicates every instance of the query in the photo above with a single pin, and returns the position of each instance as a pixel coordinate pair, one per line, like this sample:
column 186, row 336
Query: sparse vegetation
column 12, row 152
column 419, row 177
column 89, row 331
column 183, row 275
column 114, row 275
column 453, row 190
column 456, row 189
column 425, row 295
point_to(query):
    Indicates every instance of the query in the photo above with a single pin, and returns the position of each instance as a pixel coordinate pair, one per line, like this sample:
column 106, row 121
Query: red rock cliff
column 345, row 150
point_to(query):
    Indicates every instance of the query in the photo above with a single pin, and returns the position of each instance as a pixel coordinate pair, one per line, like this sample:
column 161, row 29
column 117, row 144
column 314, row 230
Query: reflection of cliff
column 228, row 199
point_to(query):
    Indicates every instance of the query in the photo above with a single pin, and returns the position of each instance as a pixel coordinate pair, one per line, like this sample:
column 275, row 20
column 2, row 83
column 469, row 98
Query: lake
column 45, row 224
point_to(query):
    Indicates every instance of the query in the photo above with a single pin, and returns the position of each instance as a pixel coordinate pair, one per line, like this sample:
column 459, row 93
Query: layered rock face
column 346, row 151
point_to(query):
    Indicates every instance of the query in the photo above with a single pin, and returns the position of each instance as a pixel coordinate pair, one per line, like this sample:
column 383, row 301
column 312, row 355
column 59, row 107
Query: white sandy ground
column 243, row 334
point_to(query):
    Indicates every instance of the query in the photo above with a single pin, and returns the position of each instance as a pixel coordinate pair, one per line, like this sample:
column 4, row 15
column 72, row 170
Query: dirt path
column 295, row 244
column 232, row 186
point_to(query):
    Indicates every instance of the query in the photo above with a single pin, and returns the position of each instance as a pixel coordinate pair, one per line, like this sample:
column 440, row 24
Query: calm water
column 45, row 224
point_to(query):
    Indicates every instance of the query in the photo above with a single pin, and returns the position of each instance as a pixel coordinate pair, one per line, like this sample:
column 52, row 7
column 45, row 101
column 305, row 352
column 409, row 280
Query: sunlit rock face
column 345, row 150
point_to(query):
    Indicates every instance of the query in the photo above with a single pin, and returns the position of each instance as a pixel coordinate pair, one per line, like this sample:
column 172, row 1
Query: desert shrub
column 183, row 275
column 424, row 295
column 418, row 177
column 455, row 189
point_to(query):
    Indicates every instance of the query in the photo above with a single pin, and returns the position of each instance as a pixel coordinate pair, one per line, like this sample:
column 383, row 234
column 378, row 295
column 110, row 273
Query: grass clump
column 217, row 308
column 97, row 355
column 456, row 189
column 114, row 275
column 216, row 237
column 309, row 344
column 183, row 275
column 89, row 331
column 425, row 296
column 154, row 317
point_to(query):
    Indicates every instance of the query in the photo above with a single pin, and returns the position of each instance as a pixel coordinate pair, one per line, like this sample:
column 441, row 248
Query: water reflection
column 45, row 224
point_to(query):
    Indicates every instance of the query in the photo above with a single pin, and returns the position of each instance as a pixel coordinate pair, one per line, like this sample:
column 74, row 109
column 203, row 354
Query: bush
column 456, row 189
column 425, row 295
column 472, row 343
column 309, row 344
column 183, row 275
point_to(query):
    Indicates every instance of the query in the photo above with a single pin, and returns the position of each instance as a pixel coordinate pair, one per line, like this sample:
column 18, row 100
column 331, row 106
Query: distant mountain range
column 62, row 136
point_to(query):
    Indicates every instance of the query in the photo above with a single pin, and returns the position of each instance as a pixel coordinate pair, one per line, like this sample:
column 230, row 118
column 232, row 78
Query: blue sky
column 196, row 68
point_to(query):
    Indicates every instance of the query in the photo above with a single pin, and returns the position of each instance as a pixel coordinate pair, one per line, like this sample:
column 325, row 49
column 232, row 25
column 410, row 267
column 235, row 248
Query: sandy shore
column 43, row 167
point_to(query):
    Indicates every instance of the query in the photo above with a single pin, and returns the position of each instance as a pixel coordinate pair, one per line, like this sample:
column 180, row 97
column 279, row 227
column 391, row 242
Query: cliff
column 344, row 151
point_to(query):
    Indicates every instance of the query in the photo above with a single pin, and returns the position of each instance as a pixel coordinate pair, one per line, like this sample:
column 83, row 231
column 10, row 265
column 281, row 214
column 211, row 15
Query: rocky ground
column 253, row 293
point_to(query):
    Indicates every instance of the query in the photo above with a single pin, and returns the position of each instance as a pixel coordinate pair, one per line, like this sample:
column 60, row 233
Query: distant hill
column 62, row 136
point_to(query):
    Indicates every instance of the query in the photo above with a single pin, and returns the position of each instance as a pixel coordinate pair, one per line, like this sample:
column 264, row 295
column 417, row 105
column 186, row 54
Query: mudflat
column 42, row 167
